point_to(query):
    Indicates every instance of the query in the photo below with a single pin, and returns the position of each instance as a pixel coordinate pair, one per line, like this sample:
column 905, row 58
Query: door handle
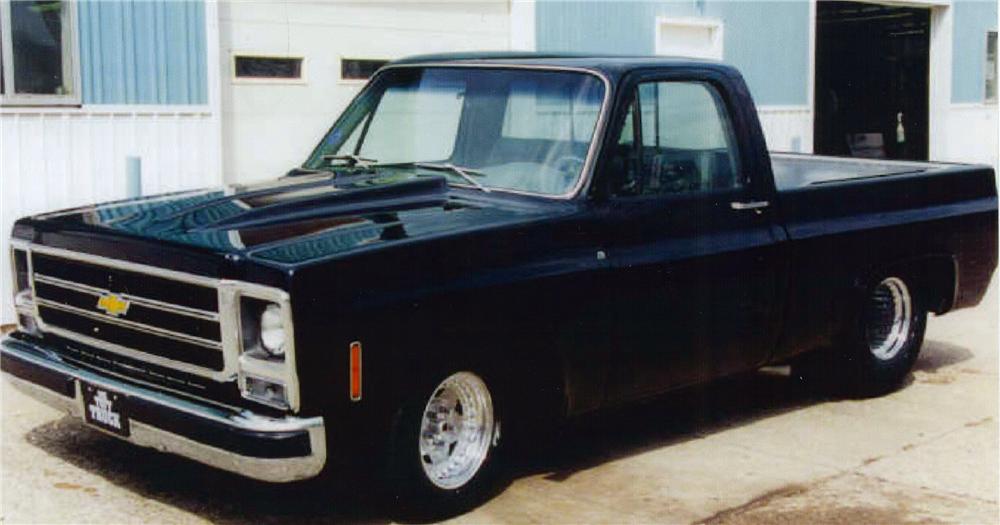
column 752, row 205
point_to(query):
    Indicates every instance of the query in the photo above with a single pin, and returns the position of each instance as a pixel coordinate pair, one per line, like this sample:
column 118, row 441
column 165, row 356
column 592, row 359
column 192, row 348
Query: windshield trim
column 595, row 140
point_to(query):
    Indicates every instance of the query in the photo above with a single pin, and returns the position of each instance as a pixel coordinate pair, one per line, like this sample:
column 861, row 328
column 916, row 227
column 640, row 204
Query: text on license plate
column 105, row 409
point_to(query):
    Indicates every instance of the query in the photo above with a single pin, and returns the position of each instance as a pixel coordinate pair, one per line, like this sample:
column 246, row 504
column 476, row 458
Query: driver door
column 693, row 249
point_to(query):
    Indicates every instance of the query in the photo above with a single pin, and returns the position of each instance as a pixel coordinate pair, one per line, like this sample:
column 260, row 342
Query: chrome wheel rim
column 456, row 430
column 890, row 312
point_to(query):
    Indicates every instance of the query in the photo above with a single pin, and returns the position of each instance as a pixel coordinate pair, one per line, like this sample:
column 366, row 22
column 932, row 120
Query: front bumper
column 256, row 446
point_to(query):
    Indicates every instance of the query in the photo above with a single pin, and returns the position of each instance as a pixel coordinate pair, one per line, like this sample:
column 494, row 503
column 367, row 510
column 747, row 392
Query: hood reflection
column 303, row 219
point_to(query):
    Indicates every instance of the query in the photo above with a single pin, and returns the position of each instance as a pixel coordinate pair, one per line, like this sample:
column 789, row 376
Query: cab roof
column 611, row 65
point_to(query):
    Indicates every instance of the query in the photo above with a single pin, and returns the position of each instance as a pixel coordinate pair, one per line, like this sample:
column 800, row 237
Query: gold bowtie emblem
column 113, row 304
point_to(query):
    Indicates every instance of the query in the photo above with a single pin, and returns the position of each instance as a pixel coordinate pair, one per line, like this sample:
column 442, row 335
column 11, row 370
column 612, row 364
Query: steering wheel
column 569, row 164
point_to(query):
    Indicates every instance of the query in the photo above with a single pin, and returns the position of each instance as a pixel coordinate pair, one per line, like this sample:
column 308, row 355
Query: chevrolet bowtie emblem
column 113, row 304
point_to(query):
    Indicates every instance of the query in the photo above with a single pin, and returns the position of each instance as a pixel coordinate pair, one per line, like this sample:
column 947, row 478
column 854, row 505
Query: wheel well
column 934, row 278
column 532, row 372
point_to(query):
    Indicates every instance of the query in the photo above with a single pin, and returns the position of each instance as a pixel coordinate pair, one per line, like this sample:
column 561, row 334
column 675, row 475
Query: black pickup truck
column 482, row 245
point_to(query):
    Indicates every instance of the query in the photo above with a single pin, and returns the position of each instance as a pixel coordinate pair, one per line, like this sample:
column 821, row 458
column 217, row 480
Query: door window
column 686, row 142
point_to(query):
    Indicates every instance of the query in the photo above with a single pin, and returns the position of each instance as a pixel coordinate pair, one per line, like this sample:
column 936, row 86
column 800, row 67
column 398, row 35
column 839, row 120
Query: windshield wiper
column 352, row 159
column 465, row 173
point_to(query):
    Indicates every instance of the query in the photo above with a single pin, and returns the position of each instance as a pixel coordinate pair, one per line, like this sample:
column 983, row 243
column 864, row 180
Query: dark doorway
column 872, row 64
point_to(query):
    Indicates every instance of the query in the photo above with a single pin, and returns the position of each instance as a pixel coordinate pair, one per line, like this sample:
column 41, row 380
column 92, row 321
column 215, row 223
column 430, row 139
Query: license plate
column 105, row 409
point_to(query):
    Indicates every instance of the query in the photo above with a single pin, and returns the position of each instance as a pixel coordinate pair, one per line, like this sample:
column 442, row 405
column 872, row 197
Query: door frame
column 939, row 68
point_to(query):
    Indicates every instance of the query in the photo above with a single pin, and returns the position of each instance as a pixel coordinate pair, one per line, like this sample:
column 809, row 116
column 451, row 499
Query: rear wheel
column 888, row 319
column 878, row 348
column 445, row 445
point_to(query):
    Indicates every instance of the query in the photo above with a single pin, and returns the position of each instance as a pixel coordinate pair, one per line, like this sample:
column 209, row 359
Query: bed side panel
column 842, row 233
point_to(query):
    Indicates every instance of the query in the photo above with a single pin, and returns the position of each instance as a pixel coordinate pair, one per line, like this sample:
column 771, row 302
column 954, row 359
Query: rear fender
column 934, row 276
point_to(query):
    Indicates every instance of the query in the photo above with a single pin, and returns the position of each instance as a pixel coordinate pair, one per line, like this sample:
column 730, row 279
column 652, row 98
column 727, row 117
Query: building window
column 689, row 37
column 358, row 68
column 991, row 67
column 267, row 68
column 39, row 60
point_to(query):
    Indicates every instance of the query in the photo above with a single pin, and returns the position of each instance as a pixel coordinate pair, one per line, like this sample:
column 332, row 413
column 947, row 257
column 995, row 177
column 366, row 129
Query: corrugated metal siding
column 972, row 19
column 768, row 41
column 143, row 52
column 53, row 158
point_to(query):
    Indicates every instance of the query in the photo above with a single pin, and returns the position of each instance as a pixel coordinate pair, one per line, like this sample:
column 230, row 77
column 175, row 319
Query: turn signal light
column 355, row 367
column 265, row 391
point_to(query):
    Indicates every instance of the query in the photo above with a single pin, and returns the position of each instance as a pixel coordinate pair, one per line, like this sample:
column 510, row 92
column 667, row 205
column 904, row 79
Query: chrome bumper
column 43, row 375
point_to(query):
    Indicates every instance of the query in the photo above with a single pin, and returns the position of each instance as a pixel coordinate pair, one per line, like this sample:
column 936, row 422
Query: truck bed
column 795, row 170
column 858, row 211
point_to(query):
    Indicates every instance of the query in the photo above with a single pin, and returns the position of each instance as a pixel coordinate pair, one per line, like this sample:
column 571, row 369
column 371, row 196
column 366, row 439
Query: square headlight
column 264, row 330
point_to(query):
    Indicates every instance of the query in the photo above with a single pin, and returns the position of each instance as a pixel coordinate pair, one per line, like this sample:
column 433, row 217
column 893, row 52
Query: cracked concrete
column 754, row 450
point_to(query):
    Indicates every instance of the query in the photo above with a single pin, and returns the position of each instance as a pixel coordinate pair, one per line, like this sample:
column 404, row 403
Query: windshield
column 517, row 129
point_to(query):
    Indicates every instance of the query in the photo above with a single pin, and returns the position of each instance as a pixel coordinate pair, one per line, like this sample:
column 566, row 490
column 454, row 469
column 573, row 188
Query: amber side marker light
column 355, row 371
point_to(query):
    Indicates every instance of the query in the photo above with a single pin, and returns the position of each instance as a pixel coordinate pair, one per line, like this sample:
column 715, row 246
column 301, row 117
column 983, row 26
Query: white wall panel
column 52, row 159
column 269, row 127
column 787, row 128
column 970, row 135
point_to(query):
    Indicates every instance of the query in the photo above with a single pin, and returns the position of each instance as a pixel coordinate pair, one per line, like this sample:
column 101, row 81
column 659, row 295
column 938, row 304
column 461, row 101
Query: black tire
column 876, row 351
column 415, row 496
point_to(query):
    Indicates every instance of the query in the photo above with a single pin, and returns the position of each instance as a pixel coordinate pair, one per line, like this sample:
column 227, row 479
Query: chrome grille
column 166, row 318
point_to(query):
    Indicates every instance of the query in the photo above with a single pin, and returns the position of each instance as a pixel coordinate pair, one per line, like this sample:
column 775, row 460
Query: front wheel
column 445, row 444
column 878, row 348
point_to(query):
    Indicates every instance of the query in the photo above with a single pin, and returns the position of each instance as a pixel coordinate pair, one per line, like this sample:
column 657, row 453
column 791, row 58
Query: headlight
column 24, row 300
column 265, row 335
column 21, row 279
column 272, row 330
column 266, row 372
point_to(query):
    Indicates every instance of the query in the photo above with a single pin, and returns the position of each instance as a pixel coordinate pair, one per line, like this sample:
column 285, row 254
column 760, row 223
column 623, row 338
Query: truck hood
column 296, row 220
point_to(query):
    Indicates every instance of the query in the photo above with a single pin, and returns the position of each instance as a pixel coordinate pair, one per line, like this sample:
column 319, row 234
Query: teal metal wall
column 143, row 52
column 972, row 20
column 768, row 41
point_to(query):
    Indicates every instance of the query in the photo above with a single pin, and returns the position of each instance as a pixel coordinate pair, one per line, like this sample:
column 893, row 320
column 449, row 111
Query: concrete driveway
column 753, row 450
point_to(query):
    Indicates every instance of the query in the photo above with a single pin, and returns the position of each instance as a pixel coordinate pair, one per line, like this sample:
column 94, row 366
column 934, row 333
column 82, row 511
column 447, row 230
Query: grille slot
column 131, row 338
column 179, row 323
column 156, row 289
column 144, row 372
column 170, row 322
